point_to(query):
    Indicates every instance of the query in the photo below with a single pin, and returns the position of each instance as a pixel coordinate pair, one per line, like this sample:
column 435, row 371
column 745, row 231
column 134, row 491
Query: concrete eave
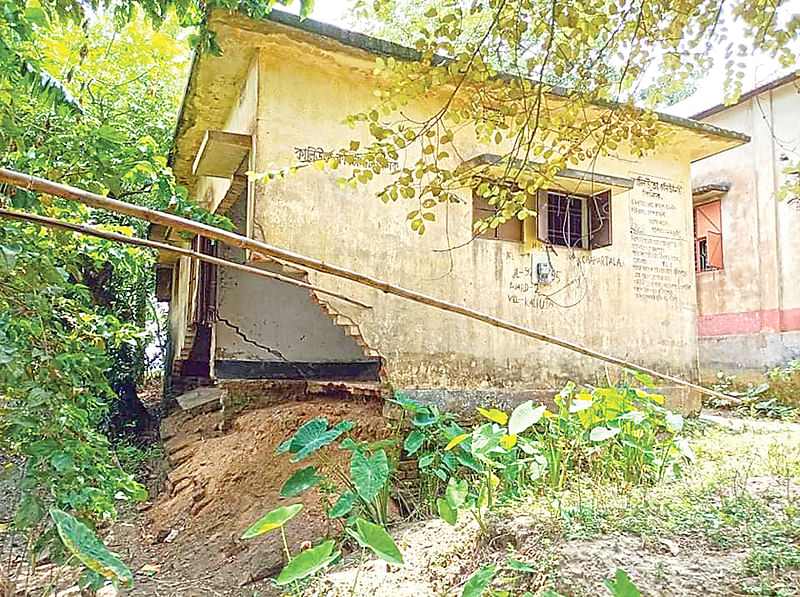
column 215, row 82
column 709, row 192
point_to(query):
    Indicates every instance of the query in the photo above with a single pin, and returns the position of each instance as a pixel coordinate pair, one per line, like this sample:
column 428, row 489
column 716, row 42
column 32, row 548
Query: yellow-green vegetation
column 777, row 396
column 727, row 525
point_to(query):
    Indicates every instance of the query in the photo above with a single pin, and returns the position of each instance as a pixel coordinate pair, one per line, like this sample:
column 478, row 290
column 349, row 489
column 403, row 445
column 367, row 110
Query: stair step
column 343, row 320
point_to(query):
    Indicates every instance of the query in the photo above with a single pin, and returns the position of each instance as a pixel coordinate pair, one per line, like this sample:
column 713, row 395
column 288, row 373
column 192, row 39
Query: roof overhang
column 709, row 192
column 215, row 82
column 569, row 180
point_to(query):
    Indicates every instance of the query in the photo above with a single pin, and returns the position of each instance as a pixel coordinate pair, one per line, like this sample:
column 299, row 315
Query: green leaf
column 28, row 512
column 622, row 586
column 601, row 434
column 425, row 419
column 456, row 492
column 485, row 438
column 645, row 380
column 343, row 505
column 478, row 582
column 308, row 562
column 274, row 519
column 315, row 435
column 8, row 257
column 525, row 415
column 285, row 446
column 375, row 538
column 674, row 421
column 110, row 133
column 447, row 512
column 301, row 481
column 578, row 405
column 414, row 441
column 520, row 566
column 81, row 541
column 369, row 475
column 62, row 462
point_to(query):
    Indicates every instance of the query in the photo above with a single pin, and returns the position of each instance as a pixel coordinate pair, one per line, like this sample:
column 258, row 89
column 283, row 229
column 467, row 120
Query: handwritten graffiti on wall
column 657, row 238
column 309, row 154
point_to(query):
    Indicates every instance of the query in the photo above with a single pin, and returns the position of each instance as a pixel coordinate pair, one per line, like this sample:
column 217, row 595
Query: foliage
column 81, row 541
column 308, row 563
column 72, row 309
column 547, row 85
column 618, row 434
column 375, row 538
column 363, row 489
column 274, row 519
column 778, row 396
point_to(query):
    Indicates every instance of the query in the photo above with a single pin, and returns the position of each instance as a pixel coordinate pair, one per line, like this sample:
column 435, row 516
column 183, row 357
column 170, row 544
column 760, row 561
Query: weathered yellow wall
column 303, row 97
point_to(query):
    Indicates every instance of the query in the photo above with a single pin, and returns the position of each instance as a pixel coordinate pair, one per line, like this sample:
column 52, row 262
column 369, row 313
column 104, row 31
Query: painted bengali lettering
column 310, row 154
column 657, row 238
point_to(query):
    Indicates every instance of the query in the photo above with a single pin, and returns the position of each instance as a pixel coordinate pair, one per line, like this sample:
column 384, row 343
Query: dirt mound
column 224, row 476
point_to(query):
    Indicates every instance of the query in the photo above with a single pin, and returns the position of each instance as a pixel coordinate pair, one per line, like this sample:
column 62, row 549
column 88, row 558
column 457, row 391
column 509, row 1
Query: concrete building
column 275, row 98
column 746, row 242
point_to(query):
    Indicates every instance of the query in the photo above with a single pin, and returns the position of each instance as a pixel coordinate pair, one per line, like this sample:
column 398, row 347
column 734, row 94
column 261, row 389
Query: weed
column 134, row 459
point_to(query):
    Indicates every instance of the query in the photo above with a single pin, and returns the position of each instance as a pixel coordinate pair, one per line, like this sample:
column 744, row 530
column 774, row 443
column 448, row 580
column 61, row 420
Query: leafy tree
column 489, row 68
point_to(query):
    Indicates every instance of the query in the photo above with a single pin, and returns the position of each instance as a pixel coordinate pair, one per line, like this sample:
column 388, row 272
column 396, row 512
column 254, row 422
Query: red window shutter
column 714, row 247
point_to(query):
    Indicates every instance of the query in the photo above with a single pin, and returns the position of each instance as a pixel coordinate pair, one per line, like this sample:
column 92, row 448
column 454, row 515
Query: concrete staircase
column 345, row 322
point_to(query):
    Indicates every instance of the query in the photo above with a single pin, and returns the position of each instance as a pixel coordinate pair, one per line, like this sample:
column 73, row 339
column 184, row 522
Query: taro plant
column 308, row 562
column 363, row 488
column 618, row 434
column 275, row 519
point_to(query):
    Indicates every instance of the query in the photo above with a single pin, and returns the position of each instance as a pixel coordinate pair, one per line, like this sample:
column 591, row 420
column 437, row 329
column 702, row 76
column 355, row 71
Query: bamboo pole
column 141, row 242
column 42, row 185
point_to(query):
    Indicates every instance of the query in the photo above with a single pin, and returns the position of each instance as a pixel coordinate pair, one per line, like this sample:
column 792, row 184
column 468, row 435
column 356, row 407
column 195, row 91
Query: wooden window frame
column 512, row 231
column 714, row 256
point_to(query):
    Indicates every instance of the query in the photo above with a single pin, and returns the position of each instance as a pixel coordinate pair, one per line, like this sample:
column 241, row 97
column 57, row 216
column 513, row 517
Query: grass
column 729, row 525
column 741, row 497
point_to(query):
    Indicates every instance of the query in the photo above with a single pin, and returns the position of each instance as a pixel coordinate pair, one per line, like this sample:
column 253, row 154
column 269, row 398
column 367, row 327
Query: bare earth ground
column 692, row 536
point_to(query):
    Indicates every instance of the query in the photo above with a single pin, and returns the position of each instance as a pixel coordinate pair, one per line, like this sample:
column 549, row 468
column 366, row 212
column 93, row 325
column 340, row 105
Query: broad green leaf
column 525, row 415
column 674, row 421
column 8, row 257
column 455, row 441
column 369, row 475
column 495, row 415
column 285, row 446
column 578, row 405
column 28, row 512
column 644, row 379
column 414, row 441
column 601, row 434
column 272, row 520
column 308, row 562
column 425, row 419
column 409, row 404
column 82, row 542
column 301, row 481
column 343, row 505
column 479, row 582
column 447, row 512
column 456, row 492
column 622, row 586
column 520, row 566
column 315, row 435
column 484, row 438
column 375, row 538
